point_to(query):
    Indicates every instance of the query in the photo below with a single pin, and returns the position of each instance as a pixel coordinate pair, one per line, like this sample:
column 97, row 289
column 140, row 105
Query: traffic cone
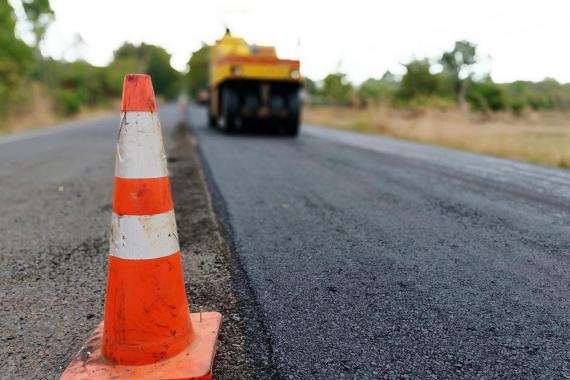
column 148, row 331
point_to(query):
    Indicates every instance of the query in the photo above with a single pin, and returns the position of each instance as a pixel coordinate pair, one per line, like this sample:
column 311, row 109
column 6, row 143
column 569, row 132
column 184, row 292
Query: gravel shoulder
column 208, row 259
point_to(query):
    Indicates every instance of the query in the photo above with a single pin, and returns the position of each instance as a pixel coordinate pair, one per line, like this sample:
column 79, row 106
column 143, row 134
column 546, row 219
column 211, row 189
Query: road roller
column 250, row 86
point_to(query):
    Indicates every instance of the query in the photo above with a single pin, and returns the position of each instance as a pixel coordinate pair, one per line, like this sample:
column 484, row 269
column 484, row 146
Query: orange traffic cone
column 148, row 331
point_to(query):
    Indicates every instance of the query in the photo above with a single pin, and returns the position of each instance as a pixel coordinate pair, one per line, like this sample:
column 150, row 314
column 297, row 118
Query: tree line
column 450, row 80
column 70, row 86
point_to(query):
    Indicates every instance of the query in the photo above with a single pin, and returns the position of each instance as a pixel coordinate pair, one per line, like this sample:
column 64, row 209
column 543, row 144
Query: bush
column 378, row 90
column 198, row 73
column 419, row 81
column 518, row 105
column 337, row 89
column 68, row 101
column 114, row 73
column 486, row 96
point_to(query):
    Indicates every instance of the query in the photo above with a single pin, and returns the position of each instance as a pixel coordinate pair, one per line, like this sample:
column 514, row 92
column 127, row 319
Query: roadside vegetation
column 448, row 101
column 538, row 137
column 36, row 90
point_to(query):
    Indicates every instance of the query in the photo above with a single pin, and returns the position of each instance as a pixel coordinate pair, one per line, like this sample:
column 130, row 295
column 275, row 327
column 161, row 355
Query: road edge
column 259, row 340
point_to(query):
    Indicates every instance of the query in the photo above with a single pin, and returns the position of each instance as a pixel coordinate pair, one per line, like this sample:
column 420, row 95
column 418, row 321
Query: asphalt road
column 367, row 257
column 352, row 256
column 55, row 195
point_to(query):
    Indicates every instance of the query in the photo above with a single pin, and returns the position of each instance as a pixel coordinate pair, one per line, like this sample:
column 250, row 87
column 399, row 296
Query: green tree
column 16, row 59
column 76, row 84
column 310, row 86
column 199, row 66
column 487, row 96
column 546, row 94
column 374, row 90
column 149, row 59
column 40, row 15
column 337, row 89
column 418, row 81
column 456, row 67
column 166, row 80
column 114, row 73
column 128, row 50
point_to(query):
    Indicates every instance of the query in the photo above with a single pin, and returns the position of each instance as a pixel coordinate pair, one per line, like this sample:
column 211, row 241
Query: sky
column 517, row 39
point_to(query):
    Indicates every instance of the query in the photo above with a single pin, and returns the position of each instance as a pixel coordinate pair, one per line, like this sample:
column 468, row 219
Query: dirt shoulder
column 207, row 259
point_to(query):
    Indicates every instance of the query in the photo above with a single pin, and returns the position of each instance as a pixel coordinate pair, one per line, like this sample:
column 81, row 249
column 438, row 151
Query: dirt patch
column 206, row 256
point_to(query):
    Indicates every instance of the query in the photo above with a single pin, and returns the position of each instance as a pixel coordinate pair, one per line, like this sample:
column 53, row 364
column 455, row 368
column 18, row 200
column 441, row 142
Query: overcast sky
column 525, row 39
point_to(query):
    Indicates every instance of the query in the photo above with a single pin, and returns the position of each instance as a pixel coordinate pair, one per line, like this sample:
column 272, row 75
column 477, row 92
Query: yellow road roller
column 251, row 87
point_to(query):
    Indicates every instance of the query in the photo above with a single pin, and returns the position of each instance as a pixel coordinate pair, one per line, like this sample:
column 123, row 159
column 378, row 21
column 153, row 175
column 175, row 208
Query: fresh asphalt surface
column 370, row 257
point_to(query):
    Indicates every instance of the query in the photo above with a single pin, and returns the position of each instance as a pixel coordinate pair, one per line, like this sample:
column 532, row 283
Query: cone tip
column 138, row 94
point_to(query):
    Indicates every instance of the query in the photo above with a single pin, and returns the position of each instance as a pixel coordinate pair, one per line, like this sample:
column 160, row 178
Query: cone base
column 194, row 362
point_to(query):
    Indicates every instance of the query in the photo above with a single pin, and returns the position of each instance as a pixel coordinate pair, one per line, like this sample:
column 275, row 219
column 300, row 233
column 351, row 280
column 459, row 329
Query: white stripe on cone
column 140, row 152
column 144, row 236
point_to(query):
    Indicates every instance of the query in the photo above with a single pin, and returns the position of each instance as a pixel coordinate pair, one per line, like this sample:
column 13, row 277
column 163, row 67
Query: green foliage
column 377, row 90
column 40, row 15
column 80, row 84
column 456, row 64
column 547, row 94
column 7, row 23
column 418, row 81
column 310, row 86
column 198, row 73
column 421, row 87
column 458, row 60
column 114, row 73
column 68, row 101
column 333, row 89
column 152, row 60
column 128, row 50
column 486, row 96
column 16, row 59
column 336, row 89
column 77, row 84
column 165, row 79
column 86, row 80
column 518, row 106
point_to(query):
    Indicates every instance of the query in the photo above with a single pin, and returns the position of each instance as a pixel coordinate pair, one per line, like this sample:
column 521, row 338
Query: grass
column 540, row 138
column 40, row 112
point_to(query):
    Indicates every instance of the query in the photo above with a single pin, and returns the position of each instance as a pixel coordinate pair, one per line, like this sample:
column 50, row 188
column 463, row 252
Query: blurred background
column 486, row 76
